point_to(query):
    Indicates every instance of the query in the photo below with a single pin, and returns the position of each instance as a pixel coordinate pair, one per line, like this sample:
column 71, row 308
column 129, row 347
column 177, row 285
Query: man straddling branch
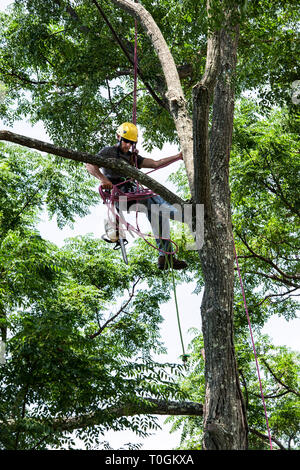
column 127, row 135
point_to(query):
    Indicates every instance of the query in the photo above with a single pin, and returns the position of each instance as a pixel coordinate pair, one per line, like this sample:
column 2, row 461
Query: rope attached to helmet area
column 134, row 112
column 135, row 70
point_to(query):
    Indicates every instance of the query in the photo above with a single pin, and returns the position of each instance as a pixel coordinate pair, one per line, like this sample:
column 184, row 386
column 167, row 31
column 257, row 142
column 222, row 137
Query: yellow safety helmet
column 129, row 131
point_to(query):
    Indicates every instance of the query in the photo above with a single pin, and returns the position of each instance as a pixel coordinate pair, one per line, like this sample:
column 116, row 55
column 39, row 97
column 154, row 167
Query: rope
column 184, row 356
column 135, row 69
column 253, row 346
column 109, row 198
column 135, row 74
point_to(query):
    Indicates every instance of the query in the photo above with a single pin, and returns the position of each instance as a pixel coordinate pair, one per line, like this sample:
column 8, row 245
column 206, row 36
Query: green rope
column 184, row 356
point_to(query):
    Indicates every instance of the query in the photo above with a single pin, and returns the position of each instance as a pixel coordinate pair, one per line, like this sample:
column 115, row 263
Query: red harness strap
column 253, row 347
column 111, row 197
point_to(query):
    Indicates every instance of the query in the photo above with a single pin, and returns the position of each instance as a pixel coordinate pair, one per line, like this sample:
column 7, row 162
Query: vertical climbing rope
column 135, row 68
column 169, row 262
column 253, row 346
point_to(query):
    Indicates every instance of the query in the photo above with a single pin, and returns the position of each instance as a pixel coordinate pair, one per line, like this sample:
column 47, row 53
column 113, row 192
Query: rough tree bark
column 225, row 424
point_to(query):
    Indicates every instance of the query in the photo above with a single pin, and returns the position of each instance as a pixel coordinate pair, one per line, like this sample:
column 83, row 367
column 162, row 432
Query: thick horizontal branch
column 149, row 406
column 266, row 438
column 102, row 416
column 119, row 166
column 154, row 407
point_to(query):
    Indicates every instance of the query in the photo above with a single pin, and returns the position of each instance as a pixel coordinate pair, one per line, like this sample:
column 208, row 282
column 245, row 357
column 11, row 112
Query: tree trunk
column 225, row 425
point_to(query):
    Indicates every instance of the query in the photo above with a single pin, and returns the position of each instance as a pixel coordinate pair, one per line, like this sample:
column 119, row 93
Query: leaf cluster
column 60, row 63
column 264, row 181
column 279, row 370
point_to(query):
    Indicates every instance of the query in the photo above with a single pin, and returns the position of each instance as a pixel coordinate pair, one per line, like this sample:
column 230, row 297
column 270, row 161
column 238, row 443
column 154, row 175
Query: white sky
column 281, row 331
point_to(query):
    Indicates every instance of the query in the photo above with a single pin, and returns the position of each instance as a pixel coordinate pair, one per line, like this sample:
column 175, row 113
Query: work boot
column 169, row 261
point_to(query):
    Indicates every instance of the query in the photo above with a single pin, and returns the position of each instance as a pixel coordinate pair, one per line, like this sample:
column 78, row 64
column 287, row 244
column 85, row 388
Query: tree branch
column 150, row 406
column 268, row 261
column 289, row 389
column 281, row 195
column 269, row 296
column 129, row 57
column 266, row 438
column 25, row 79
column 280, row 190
column 274, row 278
column 83, row 28
column 117, row 165
column 146, row 406
column 98, row 332
column 276, row 395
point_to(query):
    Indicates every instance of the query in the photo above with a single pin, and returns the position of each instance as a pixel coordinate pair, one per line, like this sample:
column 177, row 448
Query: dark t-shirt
column 115, row 152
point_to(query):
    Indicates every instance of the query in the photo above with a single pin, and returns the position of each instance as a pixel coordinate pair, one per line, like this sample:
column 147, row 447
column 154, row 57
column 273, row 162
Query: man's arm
column 94, row 171
column 150, row 163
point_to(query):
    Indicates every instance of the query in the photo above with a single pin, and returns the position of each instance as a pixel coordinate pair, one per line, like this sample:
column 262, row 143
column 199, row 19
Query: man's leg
column 159, row 213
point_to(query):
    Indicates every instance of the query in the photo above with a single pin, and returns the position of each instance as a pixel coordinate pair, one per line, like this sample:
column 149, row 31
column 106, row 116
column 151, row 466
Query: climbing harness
column 133, row 194
column 253, row 347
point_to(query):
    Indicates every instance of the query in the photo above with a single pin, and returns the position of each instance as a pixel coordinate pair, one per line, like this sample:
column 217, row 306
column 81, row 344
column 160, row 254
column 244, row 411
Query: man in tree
column 127, row 135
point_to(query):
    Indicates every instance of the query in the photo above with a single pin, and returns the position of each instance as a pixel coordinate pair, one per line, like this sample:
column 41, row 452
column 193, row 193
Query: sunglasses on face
column 127, row 141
